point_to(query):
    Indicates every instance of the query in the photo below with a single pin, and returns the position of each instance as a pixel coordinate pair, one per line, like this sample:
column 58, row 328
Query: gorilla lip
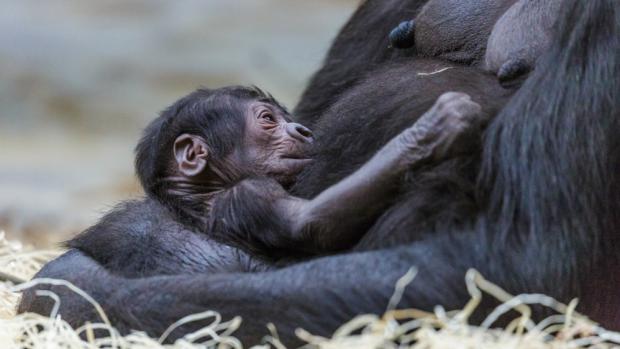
column 295, row 157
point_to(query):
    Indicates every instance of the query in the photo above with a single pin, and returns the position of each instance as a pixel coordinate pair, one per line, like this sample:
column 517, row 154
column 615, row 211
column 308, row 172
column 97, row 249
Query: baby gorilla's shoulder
column 247, row 216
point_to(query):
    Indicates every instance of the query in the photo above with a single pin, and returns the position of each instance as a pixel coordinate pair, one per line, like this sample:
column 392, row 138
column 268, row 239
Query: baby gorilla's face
column 275, row 146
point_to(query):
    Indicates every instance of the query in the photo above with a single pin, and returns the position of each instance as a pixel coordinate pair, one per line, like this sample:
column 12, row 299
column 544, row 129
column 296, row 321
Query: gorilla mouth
column 295, row 157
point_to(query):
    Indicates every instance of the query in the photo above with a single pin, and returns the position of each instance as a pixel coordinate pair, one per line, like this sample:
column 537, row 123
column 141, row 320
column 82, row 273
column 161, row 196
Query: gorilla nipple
column 403, row 36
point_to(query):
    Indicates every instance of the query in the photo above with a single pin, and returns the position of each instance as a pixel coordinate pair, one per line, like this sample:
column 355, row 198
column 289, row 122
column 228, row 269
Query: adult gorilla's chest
column 381, row 105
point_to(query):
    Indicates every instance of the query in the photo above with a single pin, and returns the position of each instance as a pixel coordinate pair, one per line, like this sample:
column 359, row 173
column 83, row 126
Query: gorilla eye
column 268, row 116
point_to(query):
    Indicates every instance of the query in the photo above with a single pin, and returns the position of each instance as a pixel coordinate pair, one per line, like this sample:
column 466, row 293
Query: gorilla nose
column 299, row 132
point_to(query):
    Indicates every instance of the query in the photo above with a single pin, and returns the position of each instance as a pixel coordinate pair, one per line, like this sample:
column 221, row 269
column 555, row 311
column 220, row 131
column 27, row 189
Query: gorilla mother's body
column 541, row 217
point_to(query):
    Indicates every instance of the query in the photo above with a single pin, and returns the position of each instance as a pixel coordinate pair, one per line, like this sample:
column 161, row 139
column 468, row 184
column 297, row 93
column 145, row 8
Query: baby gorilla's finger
column 468, row 109
column 448, row 97
column 458, row 118
column 455, row 107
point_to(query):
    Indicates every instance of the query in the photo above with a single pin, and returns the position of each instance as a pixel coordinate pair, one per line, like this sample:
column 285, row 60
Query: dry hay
column 406, row 328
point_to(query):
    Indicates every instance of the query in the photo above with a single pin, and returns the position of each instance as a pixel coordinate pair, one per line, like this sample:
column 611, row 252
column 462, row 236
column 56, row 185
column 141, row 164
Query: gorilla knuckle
column 451, row 100
column 465, row 109
column 448, row 96
column 445, row 98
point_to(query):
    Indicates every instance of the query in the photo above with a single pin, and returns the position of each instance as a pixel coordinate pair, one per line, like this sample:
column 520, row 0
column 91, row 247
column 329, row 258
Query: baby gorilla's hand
column 446, row 127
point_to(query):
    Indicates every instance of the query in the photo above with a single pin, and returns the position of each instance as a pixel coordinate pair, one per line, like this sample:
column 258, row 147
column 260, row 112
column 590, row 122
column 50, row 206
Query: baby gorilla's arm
column 335, row 218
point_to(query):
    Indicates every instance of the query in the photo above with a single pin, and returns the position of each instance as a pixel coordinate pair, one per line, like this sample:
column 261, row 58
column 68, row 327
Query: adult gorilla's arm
column 318, row 296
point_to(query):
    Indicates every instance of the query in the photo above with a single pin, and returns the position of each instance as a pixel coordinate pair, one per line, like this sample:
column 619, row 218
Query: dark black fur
column 546, row 219
column 144, row 238
column 361, row 46
column 449, row 29
column 377, row 108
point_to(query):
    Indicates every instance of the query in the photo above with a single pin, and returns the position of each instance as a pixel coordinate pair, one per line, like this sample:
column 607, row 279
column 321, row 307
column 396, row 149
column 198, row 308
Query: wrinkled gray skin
column 520, row 36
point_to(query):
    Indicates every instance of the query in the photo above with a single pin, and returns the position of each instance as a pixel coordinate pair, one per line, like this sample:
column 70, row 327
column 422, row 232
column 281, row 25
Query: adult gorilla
column 452, row 30
column 546, row 218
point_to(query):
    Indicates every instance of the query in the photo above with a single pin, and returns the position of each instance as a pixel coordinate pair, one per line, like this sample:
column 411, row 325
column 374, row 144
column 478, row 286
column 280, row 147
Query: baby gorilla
column 215, row 166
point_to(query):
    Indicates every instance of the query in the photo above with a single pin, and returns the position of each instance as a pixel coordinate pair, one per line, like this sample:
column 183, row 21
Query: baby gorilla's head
column 211, row 139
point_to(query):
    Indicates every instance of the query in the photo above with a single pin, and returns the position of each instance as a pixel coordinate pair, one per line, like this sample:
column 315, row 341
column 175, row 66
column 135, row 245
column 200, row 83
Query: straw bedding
column 397, row 328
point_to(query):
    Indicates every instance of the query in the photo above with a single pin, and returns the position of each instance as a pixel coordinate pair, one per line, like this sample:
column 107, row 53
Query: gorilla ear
column 191, row 153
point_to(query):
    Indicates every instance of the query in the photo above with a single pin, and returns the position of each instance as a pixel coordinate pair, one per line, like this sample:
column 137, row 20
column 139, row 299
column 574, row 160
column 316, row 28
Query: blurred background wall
column 79, row 79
